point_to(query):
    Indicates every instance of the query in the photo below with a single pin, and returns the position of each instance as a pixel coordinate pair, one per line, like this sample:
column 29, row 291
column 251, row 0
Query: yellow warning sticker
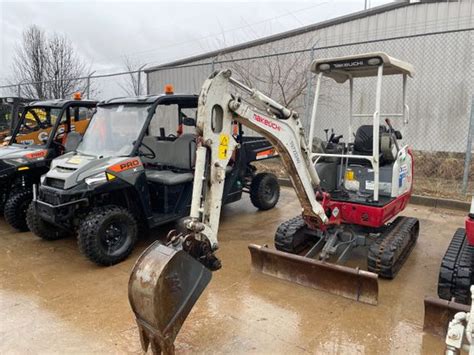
column 223, row 145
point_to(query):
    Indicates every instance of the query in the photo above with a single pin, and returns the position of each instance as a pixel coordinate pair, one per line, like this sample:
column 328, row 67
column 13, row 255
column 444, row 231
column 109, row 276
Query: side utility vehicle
column 45, row 130
column 10, row 113
column 131, row 169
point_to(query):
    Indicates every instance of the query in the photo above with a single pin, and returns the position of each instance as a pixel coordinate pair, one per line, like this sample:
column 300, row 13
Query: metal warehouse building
column 436, row 37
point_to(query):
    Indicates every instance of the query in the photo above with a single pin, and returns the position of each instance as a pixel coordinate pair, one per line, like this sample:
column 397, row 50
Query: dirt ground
column 52, row 300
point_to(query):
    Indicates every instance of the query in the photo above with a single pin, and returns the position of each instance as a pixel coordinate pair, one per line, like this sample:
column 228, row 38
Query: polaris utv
column 130, row 171
column 45, row 130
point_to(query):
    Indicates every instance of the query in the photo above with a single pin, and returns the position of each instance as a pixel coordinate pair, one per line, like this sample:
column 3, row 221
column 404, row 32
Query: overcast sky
column 155, row 32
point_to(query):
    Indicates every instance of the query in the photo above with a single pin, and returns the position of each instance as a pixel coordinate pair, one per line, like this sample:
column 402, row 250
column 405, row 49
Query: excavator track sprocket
column 389, row 252
column 456, row 270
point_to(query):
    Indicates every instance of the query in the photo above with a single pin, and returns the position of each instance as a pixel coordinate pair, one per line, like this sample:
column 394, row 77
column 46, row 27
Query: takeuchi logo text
column 267, row 122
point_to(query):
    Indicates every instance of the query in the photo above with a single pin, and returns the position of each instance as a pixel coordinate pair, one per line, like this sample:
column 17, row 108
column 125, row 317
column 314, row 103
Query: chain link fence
column 93, row 86
column 440, row 99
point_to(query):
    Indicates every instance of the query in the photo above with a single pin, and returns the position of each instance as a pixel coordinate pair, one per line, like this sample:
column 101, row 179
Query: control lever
column 332, row 135
column 336, row 139
column 392, row 132
column 326, row 131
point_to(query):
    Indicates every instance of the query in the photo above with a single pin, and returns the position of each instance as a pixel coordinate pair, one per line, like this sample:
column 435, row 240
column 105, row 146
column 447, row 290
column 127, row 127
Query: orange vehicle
column 39, row 121
column 10, row 112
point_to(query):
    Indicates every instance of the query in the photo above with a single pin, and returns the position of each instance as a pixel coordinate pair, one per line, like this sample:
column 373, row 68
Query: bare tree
column 31, row 61
column 64, row 65
column 281, row 76
column 132, row 85
column 49, row 63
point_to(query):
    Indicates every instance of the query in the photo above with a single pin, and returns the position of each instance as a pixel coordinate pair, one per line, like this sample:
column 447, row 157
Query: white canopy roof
column 360, row 65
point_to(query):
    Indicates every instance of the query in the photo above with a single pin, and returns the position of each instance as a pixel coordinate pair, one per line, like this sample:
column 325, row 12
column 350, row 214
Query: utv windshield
column 113, row 130
column 36, row 125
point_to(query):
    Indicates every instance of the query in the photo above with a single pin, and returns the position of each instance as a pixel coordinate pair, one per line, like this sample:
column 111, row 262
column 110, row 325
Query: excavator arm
column 217, row 110
column 167, row 280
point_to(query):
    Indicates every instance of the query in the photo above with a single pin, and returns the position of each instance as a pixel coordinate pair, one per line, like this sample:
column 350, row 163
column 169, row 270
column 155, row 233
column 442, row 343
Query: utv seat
column 168, row 177
column 174, row 158
column 72, row 141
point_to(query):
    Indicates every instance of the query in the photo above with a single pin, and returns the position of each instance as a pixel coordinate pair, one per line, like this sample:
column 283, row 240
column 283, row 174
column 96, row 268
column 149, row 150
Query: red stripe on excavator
column 470, row 230
column 370, row 216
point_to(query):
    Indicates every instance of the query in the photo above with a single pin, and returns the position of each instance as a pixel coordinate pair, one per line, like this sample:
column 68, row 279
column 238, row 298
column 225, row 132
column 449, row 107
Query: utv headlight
column 96, row 179
column 19, row 160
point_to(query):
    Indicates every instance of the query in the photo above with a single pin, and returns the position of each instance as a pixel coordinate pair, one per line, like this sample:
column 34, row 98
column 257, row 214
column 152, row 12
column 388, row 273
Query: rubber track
column 287, row 237
column 455, row 272
column 388, row 254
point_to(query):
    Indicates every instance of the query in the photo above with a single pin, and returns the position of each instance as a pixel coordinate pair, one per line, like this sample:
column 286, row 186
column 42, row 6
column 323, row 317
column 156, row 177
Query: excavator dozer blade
column 438, row 314
column 351, row 283
column 164, row 286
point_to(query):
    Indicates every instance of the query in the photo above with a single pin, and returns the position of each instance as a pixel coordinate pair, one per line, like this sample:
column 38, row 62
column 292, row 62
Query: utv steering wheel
column 150, row 155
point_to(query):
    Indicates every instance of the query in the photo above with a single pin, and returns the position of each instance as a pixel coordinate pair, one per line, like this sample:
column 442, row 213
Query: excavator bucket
column 438, row 314
column 164, row 286
column 351, row 283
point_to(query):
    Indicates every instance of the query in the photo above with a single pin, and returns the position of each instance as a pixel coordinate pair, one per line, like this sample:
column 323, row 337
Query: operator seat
column 363, row 144
column 174, row 159
column 364, row 139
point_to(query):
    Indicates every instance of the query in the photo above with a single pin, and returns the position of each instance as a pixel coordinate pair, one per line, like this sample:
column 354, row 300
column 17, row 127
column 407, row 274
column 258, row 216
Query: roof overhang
column 360, row 66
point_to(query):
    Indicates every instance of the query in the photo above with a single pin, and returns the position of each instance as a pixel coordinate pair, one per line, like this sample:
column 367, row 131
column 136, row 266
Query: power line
column 247, row 25
column 258, row 57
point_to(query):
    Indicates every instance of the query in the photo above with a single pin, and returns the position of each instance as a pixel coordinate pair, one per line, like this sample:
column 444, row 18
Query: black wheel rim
column 115, row 237
column 269, row 192
column 24, row 207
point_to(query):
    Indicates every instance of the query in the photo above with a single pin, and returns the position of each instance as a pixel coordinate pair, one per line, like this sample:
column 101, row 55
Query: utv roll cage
column 182, row 100
column 61, row 104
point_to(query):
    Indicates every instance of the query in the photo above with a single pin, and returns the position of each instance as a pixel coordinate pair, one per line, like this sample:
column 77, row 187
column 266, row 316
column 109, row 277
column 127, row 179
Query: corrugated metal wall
column 439, row 95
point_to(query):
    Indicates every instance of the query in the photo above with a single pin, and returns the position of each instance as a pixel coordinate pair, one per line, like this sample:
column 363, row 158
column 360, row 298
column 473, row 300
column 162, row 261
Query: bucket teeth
column 163, row 287
column 144, row 340
column 151, row 338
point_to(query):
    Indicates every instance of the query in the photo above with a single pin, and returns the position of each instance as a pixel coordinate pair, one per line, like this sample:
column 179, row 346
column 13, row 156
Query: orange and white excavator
column 363, row 186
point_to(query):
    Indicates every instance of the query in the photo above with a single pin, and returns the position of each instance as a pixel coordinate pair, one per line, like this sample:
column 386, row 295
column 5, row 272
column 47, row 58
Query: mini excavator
column 350, row 194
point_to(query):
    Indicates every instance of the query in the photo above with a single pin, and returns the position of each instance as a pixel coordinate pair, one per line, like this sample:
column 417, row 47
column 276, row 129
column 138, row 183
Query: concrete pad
column 52, row 300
